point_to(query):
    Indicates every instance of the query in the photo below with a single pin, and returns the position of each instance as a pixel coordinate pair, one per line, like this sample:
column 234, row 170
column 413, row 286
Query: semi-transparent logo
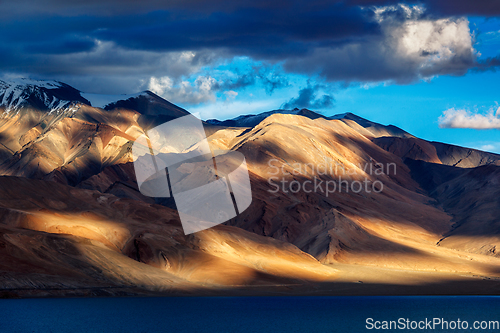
column 175, row 160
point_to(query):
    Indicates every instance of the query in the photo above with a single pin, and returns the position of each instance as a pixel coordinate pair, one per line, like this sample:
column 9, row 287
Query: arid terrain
column 73, row 222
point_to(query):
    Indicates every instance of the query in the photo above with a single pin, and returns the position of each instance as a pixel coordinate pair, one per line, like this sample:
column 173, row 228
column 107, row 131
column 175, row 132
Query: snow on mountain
column 44, row 95
column 55, row 96
column 51, row 96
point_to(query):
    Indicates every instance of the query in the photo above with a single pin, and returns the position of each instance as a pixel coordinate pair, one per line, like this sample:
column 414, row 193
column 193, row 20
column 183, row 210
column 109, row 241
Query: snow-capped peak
column 49, row 95
column 55, row 96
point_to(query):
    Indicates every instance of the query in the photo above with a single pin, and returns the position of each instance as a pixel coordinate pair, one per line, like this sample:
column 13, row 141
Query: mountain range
column 73, row 221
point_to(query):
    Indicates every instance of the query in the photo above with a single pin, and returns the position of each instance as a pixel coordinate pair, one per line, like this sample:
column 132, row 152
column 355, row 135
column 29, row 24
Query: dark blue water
column 238, row 314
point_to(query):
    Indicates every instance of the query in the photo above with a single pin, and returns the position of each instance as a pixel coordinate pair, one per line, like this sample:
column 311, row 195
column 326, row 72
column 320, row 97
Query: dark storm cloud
column 338, row 40
column 465, row 7
column 487, row 8
column 260, row 32
column 308, row 99
column 491, row 63
column 248, row 30
column 406, row 50
column 67, row 44
column 114, row 7
column 119, row 7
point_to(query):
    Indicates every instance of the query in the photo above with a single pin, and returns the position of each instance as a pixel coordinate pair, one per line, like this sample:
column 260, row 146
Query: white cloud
column 489, row 146
column 493, row 32
column 411, row 46
column 230, row 95
column 111, row 69
column 160, row 85
column 460, row 118
column 202, row 90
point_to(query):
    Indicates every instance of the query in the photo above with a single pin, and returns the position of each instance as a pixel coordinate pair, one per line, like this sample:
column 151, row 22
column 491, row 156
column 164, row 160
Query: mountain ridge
column 73, row 217
column 252, row 120
column 38, row 94
column 47, row 95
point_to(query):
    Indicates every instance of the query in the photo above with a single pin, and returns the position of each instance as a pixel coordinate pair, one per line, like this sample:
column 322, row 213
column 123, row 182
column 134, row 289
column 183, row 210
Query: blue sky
column 429, row 67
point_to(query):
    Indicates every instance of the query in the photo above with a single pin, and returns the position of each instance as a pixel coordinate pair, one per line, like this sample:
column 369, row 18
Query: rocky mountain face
column 437, row 152
column 73, row 221
column 38, row 95
column 50, row 131
column 463, row 181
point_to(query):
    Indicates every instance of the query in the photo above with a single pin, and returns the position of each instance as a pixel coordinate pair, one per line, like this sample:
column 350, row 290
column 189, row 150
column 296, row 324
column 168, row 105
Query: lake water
column 243, row 314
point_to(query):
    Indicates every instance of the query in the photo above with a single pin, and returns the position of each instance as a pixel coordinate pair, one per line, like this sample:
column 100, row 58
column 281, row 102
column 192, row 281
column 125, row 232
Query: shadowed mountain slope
column 436, row 152
column 326, row 192
column 471, row 196
column 376, row 129
column 54, row 235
